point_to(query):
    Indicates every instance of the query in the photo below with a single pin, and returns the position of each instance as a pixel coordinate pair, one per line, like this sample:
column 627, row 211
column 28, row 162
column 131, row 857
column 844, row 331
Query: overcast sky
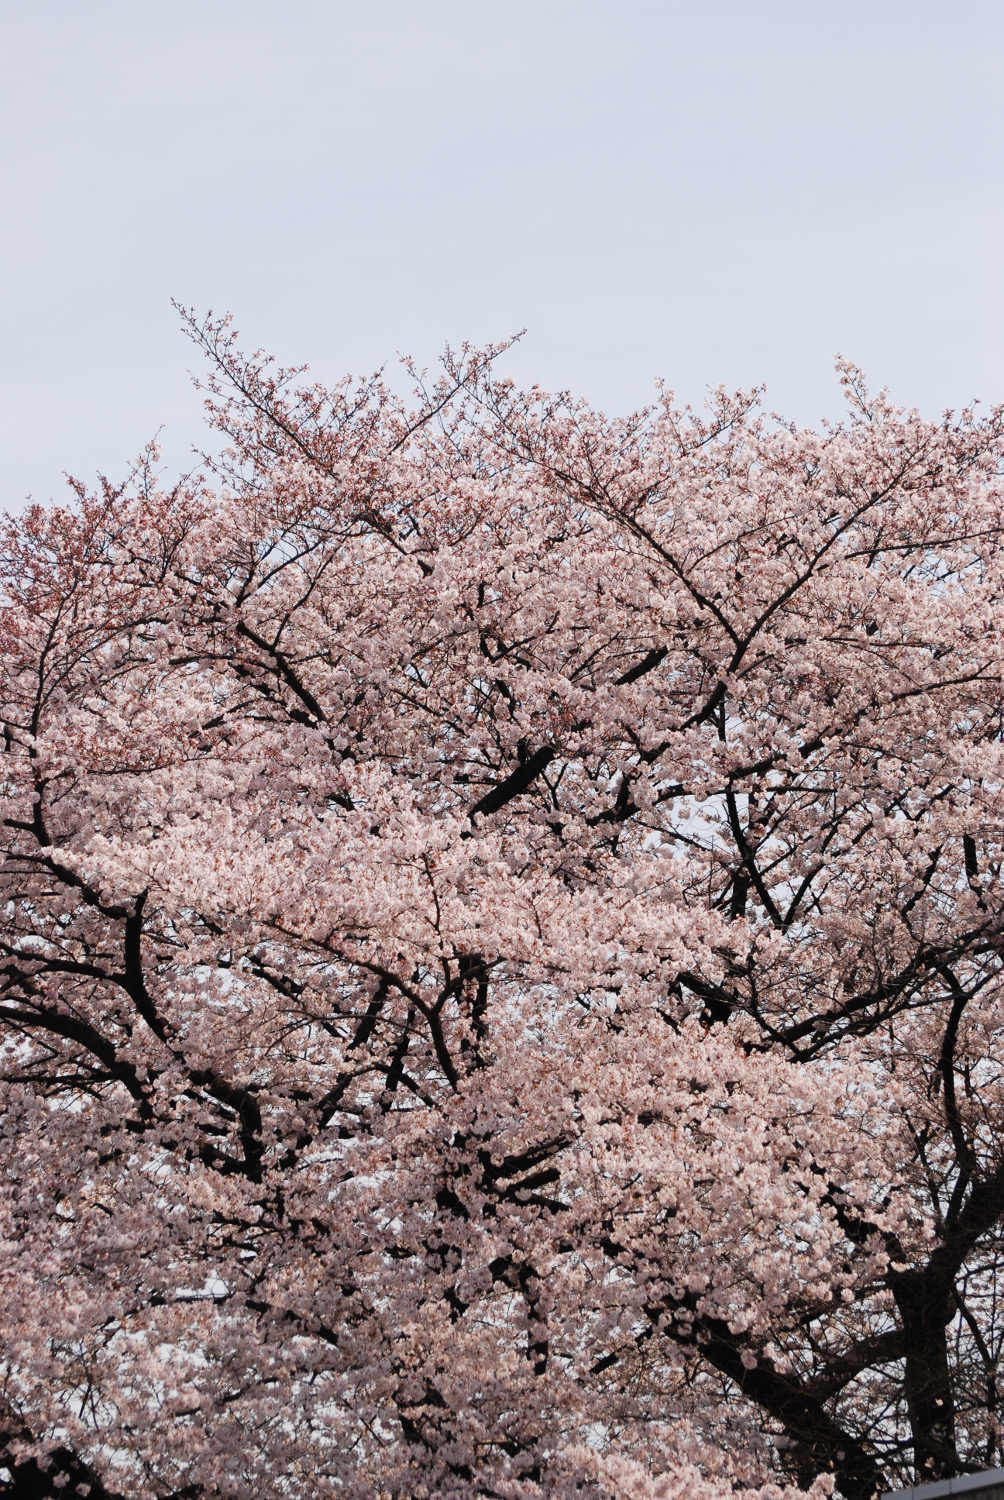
column 718, row 190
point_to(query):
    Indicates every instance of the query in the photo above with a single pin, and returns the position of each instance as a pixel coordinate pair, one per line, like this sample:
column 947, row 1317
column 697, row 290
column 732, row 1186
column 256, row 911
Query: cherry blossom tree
column 502, row 952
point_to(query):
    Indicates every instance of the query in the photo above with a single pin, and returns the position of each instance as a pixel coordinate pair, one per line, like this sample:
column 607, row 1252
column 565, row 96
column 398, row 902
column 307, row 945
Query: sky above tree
column 708, row 193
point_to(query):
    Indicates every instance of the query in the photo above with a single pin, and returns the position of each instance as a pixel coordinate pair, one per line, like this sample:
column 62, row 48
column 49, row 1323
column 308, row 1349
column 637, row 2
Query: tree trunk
column 926, row 1311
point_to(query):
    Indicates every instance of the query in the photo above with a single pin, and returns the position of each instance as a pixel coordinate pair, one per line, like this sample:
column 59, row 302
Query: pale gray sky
column 729, row 191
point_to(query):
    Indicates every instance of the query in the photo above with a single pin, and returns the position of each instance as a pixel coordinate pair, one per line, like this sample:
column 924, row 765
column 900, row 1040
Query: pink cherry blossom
column 502, row 952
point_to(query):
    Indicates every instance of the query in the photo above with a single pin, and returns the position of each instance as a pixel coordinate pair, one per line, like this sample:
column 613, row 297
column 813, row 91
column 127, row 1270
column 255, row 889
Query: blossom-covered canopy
column 501, row 956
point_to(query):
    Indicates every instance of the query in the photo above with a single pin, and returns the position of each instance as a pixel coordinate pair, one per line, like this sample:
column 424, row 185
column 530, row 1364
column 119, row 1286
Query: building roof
column 986, row 1486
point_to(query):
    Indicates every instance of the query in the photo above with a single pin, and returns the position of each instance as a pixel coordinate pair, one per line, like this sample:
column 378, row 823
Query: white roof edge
column 963, row 1484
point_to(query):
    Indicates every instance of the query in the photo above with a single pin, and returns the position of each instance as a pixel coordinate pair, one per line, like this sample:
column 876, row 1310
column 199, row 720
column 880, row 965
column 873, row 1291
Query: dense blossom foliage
column 501, row 963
